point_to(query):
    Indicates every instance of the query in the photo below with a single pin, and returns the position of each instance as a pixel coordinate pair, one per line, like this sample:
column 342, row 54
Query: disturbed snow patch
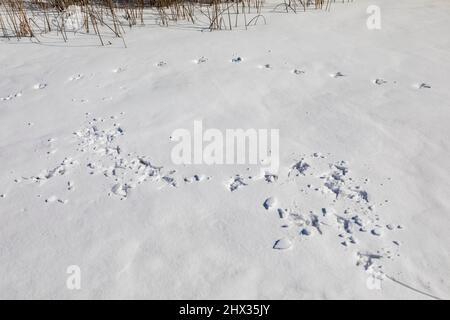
column 346, row 212
column 342, row 207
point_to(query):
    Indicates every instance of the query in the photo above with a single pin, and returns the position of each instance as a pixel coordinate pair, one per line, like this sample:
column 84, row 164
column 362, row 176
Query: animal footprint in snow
column 11, row 96
column 169, row 180
column 298, row 71
column 367, row 260
column 300, row 168
column 201, row 60
column 266, row 66
column 39, row 86
column 337, row 75
column 118, row 70
column 423, row 86
column 270, row 178
column 53, row 199
column 379, row 81
column 70, row 185
column 282, row 213
column 60, row 170
column 236, row 60
column 269, row 203
column 76, row 77
column 282, row 244
column 194, row 178
column 236, row 183
column 376, row 232
column 121, row 190
column 306, row 231
column 390, row 227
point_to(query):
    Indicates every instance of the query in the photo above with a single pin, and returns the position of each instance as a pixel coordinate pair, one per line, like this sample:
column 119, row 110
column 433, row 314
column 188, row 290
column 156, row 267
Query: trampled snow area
column 360, row 207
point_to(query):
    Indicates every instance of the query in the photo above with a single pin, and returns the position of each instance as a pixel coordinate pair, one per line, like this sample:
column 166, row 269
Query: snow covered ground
column 360, row 207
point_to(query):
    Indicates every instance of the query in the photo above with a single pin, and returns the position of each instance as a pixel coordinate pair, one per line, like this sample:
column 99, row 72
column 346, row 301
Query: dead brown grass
column 31, row 18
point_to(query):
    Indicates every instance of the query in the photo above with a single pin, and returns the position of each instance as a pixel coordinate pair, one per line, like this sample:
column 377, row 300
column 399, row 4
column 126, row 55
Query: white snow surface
column 86, row 176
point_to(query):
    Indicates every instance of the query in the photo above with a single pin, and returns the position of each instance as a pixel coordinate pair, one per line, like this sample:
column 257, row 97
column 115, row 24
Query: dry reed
column 31, row 18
